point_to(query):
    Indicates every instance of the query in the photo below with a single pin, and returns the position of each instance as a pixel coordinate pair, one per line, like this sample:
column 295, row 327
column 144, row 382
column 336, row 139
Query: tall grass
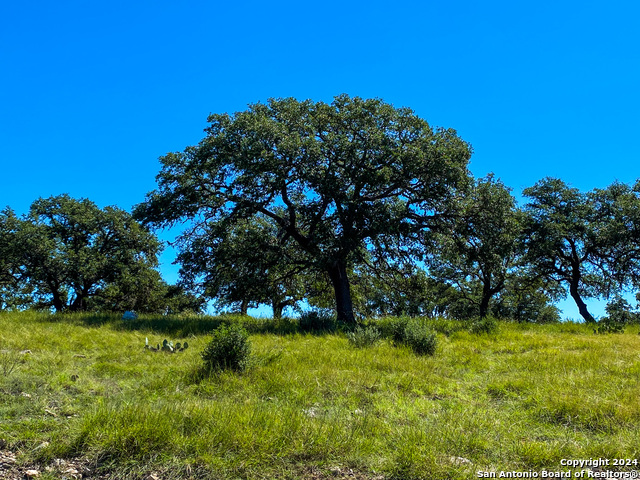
column 522, row 398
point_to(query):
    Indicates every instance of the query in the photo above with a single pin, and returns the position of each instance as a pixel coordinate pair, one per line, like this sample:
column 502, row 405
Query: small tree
column 391, row 289
column 619, row 311
column 525, row 300
column 479, row 249
column 143, row 290
column 586, row 243
column 243, row 264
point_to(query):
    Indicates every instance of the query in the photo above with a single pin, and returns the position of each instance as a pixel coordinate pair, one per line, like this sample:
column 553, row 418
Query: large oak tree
column 334, row 178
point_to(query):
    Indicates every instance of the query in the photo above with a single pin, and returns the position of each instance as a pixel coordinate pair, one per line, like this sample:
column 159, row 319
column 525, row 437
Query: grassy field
column 313, row 405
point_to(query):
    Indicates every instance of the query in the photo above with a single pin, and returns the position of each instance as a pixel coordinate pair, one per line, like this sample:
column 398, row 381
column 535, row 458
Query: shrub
column 609, row 325
column 396, row 328
column 413, row 332
column 316, row 321
column 486, row 324
column 364, row 336
column 420, row 338
column 228, row 349
column 619, row 314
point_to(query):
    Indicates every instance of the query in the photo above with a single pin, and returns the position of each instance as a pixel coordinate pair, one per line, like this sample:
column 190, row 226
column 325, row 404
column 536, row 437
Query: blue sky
column 92, row 93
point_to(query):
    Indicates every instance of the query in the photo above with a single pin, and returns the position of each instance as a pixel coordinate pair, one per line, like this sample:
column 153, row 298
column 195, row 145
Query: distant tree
column 70, row 250
column 525, row 300
column 588, row 243
column 619, row 312
column 143, row 291
column 477, row 251
column 15, row 292
column 331, row 178
column 385, row 286
column 138, row 287
column 177, row 300
column 618, row 211
column 242, row 265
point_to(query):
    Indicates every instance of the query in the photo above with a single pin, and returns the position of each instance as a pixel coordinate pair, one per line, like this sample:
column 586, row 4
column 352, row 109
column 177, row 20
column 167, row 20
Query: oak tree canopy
column 335, row 179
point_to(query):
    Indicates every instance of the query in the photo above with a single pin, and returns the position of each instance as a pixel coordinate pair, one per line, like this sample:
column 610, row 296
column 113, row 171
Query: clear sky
column 92, row 92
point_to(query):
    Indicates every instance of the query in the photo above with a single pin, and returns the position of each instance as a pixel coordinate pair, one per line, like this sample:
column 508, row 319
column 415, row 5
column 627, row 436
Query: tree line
column 355, row 205
column 69, row 255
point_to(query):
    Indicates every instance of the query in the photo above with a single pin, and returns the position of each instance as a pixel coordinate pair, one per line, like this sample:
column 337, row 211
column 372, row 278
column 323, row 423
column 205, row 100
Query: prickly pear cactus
column 167, row 346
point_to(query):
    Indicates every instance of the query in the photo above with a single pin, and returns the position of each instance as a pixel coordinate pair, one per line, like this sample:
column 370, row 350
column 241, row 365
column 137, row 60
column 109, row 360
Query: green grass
column 521, row 398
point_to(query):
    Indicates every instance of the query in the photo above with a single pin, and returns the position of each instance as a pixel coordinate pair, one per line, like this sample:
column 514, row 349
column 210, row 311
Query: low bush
column 609, row 325
column 416, row 333
column 394, row 328
column 420, row 338
column 228, row 349
column 364, row 336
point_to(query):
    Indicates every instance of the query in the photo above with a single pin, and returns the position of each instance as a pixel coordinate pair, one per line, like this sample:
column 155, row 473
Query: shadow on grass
column 175, row 326
column 183, row 327
column 179, row 326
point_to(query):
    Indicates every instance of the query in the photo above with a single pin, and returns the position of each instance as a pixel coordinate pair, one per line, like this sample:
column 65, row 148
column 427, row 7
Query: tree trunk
column 487, row 293
column 484, row 304
column 79, row 304
column 57, row 301
column 244, row 307
column 582, row 307
column 278, row 305
column 344, row 307
column 277, row 309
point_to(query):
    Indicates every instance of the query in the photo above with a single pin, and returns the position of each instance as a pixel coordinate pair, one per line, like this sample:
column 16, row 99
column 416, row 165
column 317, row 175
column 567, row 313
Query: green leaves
column 69, row 251
column 479, row 248
column 243, row 263
column 334, row 179
column 15, row 292
column 229, row 348
column 588, row 243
